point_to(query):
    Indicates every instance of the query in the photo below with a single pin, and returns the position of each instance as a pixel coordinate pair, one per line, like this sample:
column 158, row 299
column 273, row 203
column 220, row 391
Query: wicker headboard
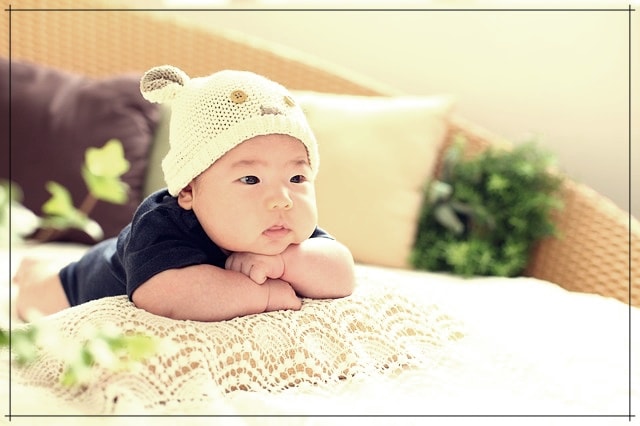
column 599, row 247
column 100, row 43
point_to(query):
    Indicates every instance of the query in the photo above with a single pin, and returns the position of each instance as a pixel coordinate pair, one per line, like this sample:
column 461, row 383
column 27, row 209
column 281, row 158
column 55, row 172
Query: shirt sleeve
column 161, row 240
column 321, row 233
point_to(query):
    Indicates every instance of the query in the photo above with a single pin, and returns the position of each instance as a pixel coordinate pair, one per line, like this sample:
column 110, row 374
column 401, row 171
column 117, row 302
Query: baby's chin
column 264, row 247
column 263, row 251
column 272, row 251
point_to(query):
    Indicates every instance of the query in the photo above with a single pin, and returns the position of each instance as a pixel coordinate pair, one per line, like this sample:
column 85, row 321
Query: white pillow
column 376, row 154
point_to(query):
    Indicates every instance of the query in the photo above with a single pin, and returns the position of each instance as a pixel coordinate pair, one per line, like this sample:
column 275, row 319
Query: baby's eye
column 250, row 180
column 298, row 179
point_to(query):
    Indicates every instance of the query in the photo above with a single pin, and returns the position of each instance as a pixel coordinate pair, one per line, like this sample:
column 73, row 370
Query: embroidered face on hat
column 211, row 115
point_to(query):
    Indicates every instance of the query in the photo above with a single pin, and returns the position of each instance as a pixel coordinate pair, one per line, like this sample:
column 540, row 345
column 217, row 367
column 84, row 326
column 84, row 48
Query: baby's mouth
column 276, row 231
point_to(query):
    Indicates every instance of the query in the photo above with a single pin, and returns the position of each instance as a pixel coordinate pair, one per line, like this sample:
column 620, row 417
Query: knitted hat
column 211, row 115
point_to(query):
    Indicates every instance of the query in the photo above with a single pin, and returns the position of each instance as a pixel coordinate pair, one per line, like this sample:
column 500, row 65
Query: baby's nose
column 281, row 200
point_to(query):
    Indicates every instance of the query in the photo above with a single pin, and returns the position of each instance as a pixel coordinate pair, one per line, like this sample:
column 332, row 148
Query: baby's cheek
column 311, row 225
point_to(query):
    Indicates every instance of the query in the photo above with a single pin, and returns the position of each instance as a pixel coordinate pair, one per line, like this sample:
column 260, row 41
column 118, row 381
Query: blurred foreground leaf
column 104, row 347
column 102, row 172
column 62, row 214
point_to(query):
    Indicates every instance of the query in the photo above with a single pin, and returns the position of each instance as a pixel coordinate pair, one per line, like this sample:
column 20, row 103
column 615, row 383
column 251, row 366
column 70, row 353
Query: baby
column 235, row 231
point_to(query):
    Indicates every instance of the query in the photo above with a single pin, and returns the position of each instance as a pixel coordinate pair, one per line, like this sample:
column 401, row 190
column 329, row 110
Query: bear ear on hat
column 161, row 84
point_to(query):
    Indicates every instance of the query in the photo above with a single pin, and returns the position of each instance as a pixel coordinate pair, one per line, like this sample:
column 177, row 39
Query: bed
column 556, row 342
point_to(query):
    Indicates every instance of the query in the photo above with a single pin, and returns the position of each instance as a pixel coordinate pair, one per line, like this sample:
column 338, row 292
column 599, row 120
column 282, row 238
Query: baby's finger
column 245, row 268
column 231, row 264
column 258, row 274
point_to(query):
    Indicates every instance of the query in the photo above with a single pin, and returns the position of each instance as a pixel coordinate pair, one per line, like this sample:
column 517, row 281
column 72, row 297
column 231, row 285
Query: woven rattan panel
column 592, row 253
column 97, row 42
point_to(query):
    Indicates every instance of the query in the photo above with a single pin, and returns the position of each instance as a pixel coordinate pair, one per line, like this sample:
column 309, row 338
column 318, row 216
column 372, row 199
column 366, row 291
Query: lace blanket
column 375, row 331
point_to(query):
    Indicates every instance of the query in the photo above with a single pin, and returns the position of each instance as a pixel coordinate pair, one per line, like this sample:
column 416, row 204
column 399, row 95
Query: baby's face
column 258, row 197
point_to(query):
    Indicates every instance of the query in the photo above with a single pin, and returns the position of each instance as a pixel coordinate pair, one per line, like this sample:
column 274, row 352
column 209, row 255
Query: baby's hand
column 282, row 296
column 258, row 267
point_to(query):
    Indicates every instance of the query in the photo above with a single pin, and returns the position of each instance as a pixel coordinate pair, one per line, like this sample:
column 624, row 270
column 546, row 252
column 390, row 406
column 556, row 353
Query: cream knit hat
column 211, row 115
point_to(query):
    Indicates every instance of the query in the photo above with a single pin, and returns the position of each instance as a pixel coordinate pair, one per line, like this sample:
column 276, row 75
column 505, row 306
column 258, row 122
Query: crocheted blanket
column 327, row 341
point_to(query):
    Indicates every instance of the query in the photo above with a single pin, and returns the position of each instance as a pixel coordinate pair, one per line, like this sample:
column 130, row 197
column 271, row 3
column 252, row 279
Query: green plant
column 484, row 214
column 105, row 347
column 101, row 171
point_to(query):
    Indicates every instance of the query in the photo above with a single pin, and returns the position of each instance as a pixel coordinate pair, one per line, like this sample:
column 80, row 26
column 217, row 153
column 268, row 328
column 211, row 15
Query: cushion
column 376, row 154
column 55, row 117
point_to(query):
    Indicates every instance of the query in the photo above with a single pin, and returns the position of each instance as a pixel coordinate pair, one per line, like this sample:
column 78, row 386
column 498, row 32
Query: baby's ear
column 185, row 197
column 161, row 84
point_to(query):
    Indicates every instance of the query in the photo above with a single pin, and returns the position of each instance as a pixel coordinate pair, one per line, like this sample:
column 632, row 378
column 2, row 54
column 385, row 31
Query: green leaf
column 447, row 217
column 76, row 374
column 108, row 161
column 62, row 214
column 458, row 254
column 439, row 191
column 60, row 203
column 4, row 338
column 9, row 191
column 105, row 348
column 24, row 346
column 140, row 347
column 68, row 378
column 106, row 188
column 102, row 171
column 93, row 229
column 497, row 183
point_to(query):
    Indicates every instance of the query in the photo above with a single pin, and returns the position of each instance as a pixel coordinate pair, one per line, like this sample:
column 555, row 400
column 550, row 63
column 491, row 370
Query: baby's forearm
column 319, row 268
column 201, row 293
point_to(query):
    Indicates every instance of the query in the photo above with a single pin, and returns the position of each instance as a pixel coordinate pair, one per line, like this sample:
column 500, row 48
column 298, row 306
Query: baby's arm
column 210, row 293
column 318, row 268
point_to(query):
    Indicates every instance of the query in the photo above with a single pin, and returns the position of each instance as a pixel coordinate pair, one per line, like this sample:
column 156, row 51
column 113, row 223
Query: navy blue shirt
column 161, row 236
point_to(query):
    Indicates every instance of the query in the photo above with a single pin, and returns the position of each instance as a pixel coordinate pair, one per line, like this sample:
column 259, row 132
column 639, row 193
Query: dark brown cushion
column 55, row 117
